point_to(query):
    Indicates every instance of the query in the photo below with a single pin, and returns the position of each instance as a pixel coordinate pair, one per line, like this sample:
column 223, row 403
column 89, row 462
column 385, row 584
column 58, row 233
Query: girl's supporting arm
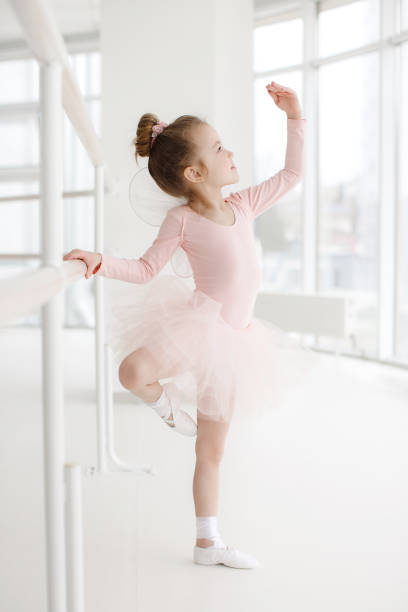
column 152, row 261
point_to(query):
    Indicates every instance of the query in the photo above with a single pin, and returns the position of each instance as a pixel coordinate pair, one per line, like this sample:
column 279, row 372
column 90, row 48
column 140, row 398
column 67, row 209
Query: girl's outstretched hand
column 89, row 257
column 285, row 99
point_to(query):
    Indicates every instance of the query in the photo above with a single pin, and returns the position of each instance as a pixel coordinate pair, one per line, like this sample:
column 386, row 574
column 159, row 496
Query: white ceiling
column 73, row 16
column 76, row 16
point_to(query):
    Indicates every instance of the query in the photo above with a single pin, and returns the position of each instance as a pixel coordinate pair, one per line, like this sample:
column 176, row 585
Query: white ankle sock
column 162, row 405
column 207, row 527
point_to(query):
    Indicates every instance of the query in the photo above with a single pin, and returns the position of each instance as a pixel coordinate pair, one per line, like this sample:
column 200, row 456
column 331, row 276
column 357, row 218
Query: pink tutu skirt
column 221, row 370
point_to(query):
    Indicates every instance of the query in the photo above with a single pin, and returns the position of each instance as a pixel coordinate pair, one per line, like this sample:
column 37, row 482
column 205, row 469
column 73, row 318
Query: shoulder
column 240, row 203
column 179, row 214
column 177, row 211
column 174, row 220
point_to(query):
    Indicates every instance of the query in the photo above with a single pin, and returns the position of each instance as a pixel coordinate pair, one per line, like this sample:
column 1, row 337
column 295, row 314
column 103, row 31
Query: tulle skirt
column 223, row 371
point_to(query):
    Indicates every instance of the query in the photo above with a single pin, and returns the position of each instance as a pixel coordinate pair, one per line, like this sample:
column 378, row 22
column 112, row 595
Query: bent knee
column 132, row 375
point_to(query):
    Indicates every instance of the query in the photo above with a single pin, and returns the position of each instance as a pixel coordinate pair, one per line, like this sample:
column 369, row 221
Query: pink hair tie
column 157, row 129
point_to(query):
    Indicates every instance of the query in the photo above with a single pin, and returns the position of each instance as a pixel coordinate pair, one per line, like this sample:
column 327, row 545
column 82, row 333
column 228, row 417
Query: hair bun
column 144, row 134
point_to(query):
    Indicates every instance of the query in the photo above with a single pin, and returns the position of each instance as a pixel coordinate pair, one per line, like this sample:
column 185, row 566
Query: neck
column 207, row 202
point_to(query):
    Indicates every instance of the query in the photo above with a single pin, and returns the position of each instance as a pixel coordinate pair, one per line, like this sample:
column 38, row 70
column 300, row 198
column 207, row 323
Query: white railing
column 44, row 288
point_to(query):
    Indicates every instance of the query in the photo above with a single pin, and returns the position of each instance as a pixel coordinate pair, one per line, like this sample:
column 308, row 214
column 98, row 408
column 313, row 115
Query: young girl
column 205, row 340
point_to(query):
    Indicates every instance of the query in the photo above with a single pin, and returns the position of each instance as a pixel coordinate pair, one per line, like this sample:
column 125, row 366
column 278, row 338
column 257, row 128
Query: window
column 358, row 20
column 404, row 14
column 347, row 164
column 278, row 44
column 402, row 241
column 348, row 187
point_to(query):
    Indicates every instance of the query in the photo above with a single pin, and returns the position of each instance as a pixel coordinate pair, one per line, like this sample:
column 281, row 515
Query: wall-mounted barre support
column 52, row 322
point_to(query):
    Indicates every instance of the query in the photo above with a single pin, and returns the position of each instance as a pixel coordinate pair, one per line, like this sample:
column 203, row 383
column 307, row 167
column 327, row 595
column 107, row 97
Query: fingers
column 275, row 88
column 74, row 254
column 274, row 96
column 90, row 260
column 90, row 270
column 78, row 254
column 271, row 90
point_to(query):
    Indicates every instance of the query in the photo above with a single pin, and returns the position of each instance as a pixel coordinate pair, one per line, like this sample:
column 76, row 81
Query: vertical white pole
column 309, row 184
column 100, row 365
column 74, row 540
column 387, row 213
column 52, row 322
column 310, row 234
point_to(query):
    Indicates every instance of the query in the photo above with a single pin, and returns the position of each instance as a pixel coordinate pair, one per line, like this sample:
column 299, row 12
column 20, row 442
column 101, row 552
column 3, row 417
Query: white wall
column 172, row 58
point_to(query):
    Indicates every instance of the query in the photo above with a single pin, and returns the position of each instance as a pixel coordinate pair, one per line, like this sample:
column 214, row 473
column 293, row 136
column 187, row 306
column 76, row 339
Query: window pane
column 94, row 73
column 278, row 44
column 78, row 170
column 20, row 222
column 346, row 27
column 10, row 269
column 19, row 219
column 402, row 319
column 22, row 78
column 13, row 188
column 19, row 140
column 79, row 224
column 404, row 14
column 278, row 229
column 348, row 189
column 86, row 67
column 19, row 226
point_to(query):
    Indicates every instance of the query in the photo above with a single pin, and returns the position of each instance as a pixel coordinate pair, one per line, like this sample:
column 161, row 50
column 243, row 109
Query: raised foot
column 169, row 420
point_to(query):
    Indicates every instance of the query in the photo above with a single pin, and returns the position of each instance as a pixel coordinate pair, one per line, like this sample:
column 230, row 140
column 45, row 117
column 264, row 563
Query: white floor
column 321, row 499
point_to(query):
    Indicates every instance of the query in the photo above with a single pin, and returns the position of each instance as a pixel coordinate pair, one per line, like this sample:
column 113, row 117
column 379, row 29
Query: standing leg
column 211, row 436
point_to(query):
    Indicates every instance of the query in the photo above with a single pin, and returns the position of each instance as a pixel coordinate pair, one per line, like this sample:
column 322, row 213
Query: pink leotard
column 222, row 257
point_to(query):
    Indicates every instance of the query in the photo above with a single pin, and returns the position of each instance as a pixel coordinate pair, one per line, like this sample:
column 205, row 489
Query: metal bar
column 104, row 395
column 12, row 256
column 310, row 184
column 19, row 173
column 142, row 468
column 387, row 213
column 75, row 546
column 100, row 327
column 52, row 320
column 25, row 293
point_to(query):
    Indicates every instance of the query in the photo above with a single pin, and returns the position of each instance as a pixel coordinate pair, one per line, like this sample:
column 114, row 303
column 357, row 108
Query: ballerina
column 205, row 340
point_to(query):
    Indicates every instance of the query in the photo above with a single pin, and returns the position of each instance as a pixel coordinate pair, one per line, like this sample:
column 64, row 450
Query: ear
column 192, row 174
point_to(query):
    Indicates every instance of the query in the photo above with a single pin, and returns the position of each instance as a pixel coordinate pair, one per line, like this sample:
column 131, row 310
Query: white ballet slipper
column 179, row 419
column 226, row 556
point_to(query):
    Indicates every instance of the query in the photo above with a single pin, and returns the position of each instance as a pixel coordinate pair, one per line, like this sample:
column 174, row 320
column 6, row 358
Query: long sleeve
column 152, row 261
column 261, row 197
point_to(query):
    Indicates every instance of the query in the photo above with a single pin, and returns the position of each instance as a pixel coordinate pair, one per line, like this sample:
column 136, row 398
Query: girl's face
column 218, row 159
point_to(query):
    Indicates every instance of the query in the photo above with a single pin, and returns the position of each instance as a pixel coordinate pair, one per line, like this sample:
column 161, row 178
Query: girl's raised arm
column 152, row 261
column 259, row 198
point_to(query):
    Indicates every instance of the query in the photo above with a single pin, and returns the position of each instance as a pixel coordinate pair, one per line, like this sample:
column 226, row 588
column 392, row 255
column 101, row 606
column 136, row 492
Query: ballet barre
column 45, row 287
